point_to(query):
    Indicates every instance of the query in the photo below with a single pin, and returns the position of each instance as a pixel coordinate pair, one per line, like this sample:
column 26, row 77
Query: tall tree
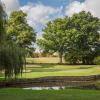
column 54, row 37
column 84, row 37
column 75, row 36
column 19, row 31
column 12, row 57
column 2, row 21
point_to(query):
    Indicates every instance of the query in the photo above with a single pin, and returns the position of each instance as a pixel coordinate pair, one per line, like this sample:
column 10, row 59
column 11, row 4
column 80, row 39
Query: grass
column 47, row 66
column 68, row 94
column 43, row 60
column 43, row 68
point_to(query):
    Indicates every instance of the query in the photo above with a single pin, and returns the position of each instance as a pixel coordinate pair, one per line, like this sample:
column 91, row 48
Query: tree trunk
column 60, row 57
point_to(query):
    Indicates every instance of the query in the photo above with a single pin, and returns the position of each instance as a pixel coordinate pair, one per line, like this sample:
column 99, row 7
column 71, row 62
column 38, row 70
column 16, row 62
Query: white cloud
column 74, row 7
column 88, row 5
column 11, row 5
column 38, row 13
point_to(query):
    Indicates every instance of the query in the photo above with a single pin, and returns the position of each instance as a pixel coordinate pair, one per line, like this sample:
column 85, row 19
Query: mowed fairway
column 69, row 94
column 43, row 67
column 34, row 71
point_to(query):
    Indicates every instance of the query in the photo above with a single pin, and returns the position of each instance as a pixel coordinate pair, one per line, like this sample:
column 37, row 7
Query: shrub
column 70, row 58
column 97, row 60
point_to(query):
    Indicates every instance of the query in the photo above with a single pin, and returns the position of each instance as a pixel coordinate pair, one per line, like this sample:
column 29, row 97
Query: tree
column 76, row 37
column 20, row 32
column 84, row 37
column 2, row 22
column 54, row 37
column 12, row 57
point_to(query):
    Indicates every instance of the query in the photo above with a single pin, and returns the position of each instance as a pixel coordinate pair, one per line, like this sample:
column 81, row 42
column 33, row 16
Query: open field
column 43, row 60
column 68, row 94
column 42, row 70
column 49, row 67
column 43, row 67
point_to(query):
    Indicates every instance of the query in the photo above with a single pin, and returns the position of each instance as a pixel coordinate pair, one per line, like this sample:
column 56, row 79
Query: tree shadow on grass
column 85, row 67
column 44, row 67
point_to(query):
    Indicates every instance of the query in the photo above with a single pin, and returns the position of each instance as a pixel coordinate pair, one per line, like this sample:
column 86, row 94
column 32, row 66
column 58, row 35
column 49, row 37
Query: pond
column 45, row 88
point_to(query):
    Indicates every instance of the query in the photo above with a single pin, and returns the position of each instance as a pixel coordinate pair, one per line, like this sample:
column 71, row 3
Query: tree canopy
column 84, row 37
column 12, row 57
column 19, row 31
column 76, row 37
column 55, row 36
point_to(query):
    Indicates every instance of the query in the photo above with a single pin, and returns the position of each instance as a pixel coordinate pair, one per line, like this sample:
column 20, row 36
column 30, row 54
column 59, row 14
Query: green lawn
column 43, row 67
column 42, row 70
column 68, row 94
column 47, row 69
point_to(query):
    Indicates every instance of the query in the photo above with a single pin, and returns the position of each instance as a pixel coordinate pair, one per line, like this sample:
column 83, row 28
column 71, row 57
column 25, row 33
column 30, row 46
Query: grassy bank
column 69, row 94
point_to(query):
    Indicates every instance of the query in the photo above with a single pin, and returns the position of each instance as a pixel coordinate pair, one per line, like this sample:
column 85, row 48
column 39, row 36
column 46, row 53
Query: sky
column 39, row 12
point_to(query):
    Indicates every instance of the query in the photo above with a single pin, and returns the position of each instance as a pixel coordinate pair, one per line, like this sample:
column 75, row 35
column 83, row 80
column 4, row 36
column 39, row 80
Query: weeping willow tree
column 2, row 22
column 12, row 57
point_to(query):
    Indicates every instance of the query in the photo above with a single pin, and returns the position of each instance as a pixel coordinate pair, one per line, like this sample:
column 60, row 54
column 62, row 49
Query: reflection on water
column 45, row 88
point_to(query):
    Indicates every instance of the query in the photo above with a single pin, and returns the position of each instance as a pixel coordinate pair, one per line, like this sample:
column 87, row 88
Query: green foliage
column 76, row 37
column 19, row 31
column 54, row 37
column 12, row 57
column 71, row 58
column 97, row 60
column 2, row 22
column 83, row 38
